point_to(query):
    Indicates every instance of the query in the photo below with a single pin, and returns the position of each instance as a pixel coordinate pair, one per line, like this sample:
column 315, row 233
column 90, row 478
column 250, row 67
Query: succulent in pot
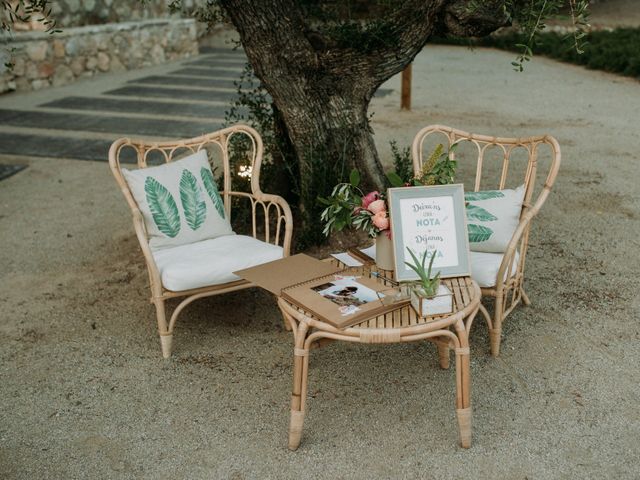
column 426, row 287
column 428, row 295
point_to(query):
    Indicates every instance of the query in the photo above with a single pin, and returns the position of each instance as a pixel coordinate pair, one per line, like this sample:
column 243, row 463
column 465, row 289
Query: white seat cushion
column 211, row 262
column 485, row 266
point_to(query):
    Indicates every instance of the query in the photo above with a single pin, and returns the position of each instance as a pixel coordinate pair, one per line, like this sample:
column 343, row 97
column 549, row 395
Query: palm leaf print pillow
column 492, row 218
column 179, row 201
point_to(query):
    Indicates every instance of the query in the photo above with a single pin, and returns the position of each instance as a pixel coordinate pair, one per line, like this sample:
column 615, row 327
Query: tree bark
column 323, row 90
column 322, row 93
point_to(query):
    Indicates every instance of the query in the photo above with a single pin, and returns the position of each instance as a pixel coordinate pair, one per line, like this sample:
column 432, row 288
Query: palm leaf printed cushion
column 179, row 201
column 492, row 218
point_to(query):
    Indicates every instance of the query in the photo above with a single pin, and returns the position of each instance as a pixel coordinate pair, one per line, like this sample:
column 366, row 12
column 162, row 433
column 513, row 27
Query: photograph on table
column 430, row 219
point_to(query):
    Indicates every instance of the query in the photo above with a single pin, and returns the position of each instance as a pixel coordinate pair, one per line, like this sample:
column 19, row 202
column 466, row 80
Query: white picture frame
column 431, row 218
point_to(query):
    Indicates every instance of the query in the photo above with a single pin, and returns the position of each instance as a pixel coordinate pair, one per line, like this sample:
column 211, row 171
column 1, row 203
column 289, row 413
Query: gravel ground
column 86, row 394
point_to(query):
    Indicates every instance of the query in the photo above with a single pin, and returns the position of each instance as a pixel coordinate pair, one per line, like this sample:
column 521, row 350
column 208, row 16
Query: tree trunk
column 335, row 131
column 322, row 85
column 322, row 92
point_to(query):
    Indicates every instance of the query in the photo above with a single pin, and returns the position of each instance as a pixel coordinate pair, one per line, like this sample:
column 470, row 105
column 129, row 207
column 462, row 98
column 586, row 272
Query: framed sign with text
column 432, row 219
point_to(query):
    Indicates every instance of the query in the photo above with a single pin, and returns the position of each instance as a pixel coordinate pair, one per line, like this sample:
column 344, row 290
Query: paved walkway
column 175, row 100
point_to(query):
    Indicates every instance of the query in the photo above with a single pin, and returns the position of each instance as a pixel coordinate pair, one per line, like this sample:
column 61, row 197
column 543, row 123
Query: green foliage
column 318, row 178
column 440, row 168
column 253, row 107
column 25, row 11
column 402, row 163
column 428, row 286
column 13, row 11
column 279, row 169
column 530, row 19
column 339, row 209
column 616, row 51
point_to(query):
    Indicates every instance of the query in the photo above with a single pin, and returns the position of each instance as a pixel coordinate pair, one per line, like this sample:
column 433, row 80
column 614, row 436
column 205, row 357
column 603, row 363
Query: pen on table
column 386, row 279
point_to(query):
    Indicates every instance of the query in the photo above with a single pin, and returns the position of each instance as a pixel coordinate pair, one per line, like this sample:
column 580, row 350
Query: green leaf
column 484, row 195
column 354, row 178
column 395, row 180
column 478, row 233
column 195, row 210
column 163, row 207
column 211, row 188
column 478, row 213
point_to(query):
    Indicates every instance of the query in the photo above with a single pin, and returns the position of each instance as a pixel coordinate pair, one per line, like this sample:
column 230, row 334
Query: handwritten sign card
column 431, row 219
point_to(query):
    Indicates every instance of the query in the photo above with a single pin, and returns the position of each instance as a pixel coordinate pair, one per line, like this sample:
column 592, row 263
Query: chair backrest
column 496, row 155
column 506, row 148
column 219, row 146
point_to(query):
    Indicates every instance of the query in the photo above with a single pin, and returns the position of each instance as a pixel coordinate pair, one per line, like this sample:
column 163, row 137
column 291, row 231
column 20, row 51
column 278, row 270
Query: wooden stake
column 405, row 96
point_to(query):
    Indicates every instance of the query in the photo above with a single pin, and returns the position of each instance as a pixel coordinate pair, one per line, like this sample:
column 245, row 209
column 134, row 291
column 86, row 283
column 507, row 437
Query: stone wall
column 77, row 13
column 42, row 60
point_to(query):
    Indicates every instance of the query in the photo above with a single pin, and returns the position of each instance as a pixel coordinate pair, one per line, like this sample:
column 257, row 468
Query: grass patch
column 616, row 51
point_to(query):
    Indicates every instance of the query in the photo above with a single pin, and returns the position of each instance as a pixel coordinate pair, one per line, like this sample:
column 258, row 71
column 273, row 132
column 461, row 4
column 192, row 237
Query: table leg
column 299, row 392
column 443, row 353
column 463, row 383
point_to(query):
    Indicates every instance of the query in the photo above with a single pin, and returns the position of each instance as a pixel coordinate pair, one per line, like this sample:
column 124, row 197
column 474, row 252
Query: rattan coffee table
column 400, row 325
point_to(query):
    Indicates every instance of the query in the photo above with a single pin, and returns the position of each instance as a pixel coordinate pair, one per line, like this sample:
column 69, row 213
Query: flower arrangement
column 349, row 206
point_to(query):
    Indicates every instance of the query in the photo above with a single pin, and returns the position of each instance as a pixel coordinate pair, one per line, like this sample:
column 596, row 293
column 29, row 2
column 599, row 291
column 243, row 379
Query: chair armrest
column 271, row 202
column 508, row 258
column 152, row 268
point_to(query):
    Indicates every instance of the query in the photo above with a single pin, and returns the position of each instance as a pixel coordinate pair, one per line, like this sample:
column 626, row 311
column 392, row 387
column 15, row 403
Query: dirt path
column 85, row 393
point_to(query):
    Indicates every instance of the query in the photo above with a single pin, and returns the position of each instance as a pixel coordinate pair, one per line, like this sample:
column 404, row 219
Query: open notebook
column 336, row 296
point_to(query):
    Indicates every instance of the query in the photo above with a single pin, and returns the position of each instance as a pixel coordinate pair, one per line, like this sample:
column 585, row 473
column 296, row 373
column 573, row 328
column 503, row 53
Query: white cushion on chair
column 485, row 266
column 211, row 262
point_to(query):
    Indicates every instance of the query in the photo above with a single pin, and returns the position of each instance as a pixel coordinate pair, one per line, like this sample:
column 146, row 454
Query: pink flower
column 380, row 220
column 377, row 207
column 370, row 197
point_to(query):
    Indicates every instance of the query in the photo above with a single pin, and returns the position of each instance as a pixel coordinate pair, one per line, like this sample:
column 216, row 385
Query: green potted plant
column 428, row 295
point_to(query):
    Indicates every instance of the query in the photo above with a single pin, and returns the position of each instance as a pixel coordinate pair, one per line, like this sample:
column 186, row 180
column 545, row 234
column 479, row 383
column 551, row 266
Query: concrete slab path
column 175, row 100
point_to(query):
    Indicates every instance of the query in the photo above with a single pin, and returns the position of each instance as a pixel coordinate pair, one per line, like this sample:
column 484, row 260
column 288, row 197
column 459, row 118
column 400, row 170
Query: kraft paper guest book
column 339, row 297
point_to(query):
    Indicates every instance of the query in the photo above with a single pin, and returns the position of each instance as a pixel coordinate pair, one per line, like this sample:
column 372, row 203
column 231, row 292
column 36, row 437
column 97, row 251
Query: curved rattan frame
column 507, row 292
column 275, row 209
column 446, row 331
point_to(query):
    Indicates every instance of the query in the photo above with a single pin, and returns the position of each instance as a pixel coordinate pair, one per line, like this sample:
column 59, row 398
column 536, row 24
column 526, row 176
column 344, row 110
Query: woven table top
column 466, row 295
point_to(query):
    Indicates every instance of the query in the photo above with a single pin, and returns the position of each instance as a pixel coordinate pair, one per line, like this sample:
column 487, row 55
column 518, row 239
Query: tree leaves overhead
column 163, row 207
column 195, row 210
column 211, row 188
column 478, row 233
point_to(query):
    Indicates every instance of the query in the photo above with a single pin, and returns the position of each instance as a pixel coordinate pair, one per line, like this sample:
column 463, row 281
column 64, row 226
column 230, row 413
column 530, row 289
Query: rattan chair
column 507, row 290
column 271, row 215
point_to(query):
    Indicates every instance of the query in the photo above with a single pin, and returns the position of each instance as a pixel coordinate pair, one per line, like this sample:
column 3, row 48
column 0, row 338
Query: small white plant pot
column 441, row 304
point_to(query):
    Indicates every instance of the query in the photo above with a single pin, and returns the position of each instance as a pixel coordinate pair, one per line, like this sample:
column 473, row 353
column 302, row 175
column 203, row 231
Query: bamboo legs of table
column 443, row 354
column 463, row 386
column 299, row 391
